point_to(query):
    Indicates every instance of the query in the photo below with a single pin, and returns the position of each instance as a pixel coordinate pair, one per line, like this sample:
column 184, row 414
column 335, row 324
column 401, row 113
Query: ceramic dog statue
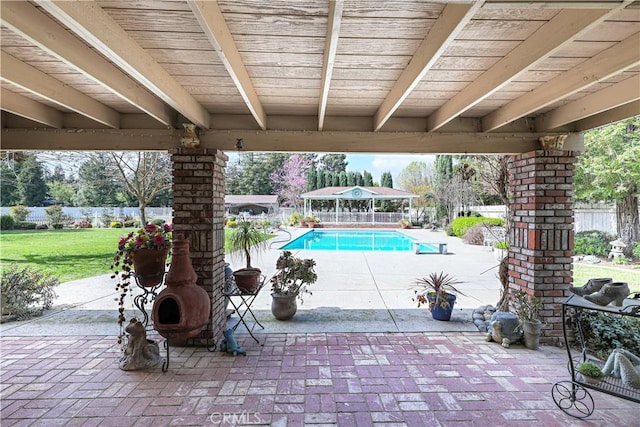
column 230, row 345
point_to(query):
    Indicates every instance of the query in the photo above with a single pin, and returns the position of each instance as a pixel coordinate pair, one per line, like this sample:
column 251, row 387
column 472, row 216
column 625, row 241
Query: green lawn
column 66, row 254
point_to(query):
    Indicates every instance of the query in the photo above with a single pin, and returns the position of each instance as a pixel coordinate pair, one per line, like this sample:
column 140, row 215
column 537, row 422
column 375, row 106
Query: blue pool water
column 349, row 240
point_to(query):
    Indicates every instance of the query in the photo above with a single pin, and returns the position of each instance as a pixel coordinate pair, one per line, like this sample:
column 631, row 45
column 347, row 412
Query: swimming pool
column 356, row 240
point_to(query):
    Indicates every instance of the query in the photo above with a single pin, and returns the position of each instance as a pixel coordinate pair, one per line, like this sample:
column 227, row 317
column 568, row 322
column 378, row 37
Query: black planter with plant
column 290, row 283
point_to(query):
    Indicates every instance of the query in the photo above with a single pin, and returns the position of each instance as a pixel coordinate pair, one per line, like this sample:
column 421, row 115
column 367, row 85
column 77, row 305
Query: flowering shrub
column 151, row 236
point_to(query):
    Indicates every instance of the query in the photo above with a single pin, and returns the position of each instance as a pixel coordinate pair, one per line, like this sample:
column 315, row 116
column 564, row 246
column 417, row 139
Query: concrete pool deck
column 355, row 292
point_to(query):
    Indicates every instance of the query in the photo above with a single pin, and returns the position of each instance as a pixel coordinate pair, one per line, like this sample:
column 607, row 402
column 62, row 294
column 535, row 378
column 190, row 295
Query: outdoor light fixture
column 239, row 142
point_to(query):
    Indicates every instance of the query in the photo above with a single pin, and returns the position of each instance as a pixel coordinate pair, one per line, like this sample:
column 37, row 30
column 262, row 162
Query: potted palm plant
column 291, row 281
column 437, row 289
column 243, row 240
column 528, row 311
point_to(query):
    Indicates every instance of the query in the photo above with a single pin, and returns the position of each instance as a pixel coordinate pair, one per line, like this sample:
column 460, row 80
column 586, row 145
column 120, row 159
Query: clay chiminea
column 183, row 308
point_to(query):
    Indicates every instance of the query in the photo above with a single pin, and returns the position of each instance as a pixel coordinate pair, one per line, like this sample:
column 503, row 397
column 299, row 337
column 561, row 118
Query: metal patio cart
column 573, row 396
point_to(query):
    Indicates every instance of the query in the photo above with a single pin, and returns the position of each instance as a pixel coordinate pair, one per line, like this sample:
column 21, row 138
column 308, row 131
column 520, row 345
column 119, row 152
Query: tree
column 416, row 178
column 367, row 179
column 98, row 185
column 312, row 177
column 62, row 191
column 290, row 180
column 386, row 180
column 252, row 173
column 609, row 170
column 9, row 169
column 145, row 175
column 334, row 162
column 30, row 183
column 441, row 182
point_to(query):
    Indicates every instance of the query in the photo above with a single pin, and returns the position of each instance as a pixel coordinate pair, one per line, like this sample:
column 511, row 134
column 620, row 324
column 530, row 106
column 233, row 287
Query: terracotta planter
column 247, row 279
column 311, row 224
column 149, row 266
column 283, row 307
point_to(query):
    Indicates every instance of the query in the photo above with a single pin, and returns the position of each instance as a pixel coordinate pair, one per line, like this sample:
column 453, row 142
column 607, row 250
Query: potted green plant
column 528, row 311
column 591, row 373
column 311, row 220
column 404, row 223
column 291, row 281
column 437, row 289
column 141, row 255
column 243, row 240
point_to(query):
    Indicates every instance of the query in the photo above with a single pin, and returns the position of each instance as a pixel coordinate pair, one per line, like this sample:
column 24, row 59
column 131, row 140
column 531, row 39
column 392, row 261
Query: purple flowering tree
column 290, row 181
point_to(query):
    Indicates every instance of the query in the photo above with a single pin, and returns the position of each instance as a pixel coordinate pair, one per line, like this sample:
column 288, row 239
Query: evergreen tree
column 9, row 169
column 386, row 180
column 312, row 177
column 359, row 179
column 30, row 184
column 442, row 177
column 351, row 179
column 97, row 183
column 367, row 179
column 342, row 179
column 335, row 163
column 320, row 180
column 328, row 178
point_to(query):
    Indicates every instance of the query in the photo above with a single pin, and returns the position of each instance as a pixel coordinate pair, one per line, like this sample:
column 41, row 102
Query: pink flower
column 150, row 228
column 140, row 241
column 167, row 227
column 159, row 240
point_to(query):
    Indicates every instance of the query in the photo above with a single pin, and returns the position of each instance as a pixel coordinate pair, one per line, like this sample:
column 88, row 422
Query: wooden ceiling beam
column 550, row 4
column 215, row 27
column 328, row 59
column 564, row 27
column 29, row 22
column 610, row 116
column 29, row 109
column 451, row 21
column 35, row 81
column 615, row 60
column 283, row 141
column 610, row 97
column 98, row 29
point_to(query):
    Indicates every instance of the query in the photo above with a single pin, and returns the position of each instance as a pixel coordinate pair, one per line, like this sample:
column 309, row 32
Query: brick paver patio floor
column 345, row 379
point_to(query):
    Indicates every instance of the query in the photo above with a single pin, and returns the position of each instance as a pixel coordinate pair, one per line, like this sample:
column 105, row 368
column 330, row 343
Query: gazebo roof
column 409, row 76
column 365, row 193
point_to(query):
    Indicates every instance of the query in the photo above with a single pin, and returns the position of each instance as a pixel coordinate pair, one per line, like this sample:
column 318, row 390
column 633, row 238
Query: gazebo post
column 337, row 210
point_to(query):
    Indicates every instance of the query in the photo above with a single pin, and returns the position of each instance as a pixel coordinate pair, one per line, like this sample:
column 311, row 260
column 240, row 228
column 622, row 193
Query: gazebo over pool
column 372, row 194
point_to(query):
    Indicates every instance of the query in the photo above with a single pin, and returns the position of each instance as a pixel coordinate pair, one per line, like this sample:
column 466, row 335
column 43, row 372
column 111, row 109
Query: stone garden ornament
column 624, row 365
column 140, row 353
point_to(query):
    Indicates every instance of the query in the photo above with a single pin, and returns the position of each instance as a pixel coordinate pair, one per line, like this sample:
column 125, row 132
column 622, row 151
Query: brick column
column 541, row 234
column 198, row 213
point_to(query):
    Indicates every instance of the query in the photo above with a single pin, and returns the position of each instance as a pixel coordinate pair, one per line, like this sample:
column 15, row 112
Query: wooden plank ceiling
column 396, row 76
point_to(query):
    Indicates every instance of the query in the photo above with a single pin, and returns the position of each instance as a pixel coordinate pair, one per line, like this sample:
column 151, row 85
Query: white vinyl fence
column 587, row 217
column 96, row 215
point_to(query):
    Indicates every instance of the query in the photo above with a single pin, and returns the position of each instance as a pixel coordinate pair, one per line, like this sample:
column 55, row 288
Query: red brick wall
column 198, row 213
column 541, row 234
